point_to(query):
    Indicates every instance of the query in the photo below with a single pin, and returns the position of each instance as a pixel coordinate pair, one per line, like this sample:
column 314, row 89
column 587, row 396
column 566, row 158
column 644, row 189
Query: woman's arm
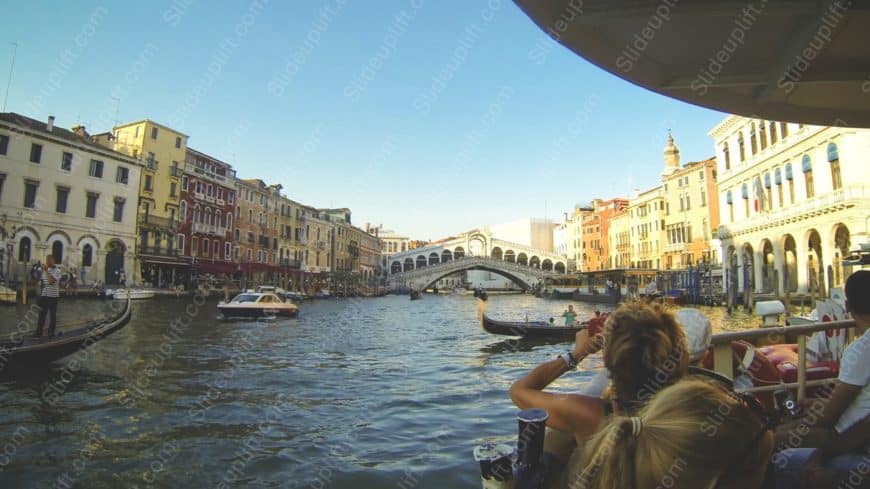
column 573, row 413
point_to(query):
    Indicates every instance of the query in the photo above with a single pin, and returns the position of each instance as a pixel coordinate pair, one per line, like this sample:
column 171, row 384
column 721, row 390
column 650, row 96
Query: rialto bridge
column 520, row 263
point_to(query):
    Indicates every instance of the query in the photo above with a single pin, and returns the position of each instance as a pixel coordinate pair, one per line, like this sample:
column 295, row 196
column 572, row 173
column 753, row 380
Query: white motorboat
column 135, row 294
column 257, row 305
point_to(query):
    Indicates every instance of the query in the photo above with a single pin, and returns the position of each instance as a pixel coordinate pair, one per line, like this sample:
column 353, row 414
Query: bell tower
column 672, row 156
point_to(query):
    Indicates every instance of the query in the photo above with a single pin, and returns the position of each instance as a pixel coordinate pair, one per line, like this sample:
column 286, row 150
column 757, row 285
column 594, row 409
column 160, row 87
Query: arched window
column 773, row 133
column 24, row 249
column 229, row 221
column 727, row 156
column 183, row 211
column 250, row 216
column 217, row 217
column 762, row 134
column 789, row 176
column 208, row 216
column 196, row 214
column 753, row 139
column 57, row 251
column 807, row 166
column 741, row 147
column 729, row 199
column 87, row 255
column 834, row 160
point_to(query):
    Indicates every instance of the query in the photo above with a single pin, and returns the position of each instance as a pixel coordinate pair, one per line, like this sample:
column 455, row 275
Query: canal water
column 355, row 393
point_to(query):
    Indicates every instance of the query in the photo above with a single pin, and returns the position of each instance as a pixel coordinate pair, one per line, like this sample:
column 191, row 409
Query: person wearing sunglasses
column 693, row 434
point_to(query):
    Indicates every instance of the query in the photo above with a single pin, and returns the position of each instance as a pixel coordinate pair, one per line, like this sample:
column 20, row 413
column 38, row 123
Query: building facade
column 691, row 215
column 647, row 214
column 63, row 194
column 794, row 200
column 207, row 213
column 256, row 232
column 162, row 151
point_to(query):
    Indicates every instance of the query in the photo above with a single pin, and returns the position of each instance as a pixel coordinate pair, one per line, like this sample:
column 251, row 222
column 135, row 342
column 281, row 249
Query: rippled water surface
column 364, row 393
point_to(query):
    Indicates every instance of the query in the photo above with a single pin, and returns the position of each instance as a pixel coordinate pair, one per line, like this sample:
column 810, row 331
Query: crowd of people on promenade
column 654, row 418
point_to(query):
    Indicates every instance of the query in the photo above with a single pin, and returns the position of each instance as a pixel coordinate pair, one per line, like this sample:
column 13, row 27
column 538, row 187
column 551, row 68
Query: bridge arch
column 433, row 258
column 515, row 278
column 559, row 268
column 421, row 261
column 396, row 267
column 496, row 253
column 535, row 262
column 547, row 265
column 523, row 259
column 446, row 256
column 409, row 265
column 458, row 252
column 510, row 256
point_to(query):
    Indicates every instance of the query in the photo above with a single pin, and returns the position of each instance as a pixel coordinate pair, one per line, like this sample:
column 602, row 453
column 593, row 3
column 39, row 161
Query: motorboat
column 134, row 294
column 257, row 305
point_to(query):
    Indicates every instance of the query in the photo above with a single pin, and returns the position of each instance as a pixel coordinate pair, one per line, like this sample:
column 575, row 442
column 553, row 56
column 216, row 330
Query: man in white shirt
column 848, row 405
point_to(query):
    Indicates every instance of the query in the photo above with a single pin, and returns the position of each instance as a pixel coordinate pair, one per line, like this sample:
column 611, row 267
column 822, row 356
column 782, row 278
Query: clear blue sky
column 429, row 117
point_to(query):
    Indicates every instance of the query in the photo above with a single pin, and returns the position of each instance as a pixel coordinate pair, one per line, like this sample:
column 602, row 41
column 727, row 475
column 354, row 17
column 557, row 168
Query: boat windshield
column 245, row 298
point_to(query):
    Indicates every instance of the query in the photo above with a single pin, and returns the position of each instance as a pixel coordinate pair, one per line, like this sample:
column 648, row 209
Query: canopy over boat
column 786, row 61
column 36, row 351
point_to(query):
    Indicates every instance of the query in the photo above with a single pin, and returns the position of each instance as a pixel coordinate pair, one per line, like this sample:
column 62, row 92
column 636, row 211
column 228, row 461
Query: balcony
column 286, row 262
column 199, row 227
column 151, row 164
column 157, row 251
column 837, row 200
column 175, row 171
column 156, row 222
column 302, row 240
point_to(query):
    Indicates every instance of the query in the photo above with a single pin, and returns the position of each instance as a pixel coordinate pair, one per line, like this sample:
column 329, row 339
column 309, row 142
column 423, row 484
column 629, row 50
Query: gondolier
column 49, row 295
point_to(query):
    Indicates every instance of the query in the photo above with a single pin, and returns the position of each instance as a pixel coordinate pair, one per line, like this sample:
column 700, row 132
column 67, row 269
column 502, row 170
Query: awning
column 784, row 61
column 163, row 261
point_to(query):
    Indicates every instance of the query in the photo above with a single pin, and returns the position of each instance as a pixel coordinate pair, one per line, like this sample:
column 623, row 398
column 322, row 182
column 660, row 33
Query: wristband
column 569, row 360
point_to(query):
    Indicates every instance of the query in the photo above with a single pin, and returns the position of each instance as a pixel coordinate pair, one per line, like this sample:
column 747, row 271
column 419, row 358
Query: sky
column 431, row 118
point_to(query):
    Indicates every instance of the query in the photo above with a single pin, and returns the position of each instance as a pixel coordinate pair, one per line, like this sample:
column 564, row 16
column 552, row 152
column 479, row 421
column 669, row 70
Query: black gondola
column 37, row 351
column 537, row 329
column 415, row 294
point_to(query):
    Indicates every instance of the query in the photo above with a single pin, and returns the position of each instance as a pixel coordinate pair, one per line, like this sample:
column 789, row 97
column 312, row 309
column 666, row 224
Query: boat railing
column 722, row 354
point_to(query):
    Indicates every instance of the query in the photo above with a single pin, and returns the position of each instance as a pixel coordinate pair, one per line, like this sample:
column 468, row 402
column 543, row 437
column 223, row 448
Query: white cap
column 699, row 332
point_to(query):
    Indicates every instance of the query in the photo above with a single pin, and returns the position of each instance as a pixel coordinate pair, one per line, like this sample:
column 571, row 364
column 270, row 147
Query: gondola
column 536, row 329
column 414, row 294
column 38, row 351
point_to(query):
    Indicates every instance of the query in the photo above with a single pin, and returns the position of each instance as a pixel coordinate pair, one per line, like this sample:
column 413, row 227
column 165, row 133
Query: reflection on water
column 354, row 393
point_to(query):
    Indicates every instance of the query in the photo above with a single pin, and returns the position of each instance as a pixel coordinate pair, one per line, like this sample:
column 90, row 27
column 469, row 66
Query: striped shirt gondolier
column 51, row 290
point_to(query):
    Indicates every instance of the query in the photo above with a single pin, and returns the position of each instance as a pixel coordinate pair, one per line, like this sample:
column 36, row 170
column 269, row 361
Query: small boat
column 36, row 351
column 7, row 295
column 257, row 305
column 538, row 329
column 414, row 294
column 481, row 294
column 322, row 294
column 135, row 294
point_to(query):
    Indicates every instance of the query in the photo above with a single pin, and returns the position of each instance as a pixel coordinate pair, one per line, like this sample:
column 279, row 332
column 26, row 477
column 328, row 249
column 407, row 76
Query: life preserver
column 750, row 361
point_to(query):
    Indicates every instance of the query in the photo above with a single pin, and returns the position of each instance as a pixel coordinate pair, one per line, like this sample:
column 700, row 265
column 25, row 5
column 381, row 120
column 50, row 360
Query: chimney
column 50, row 125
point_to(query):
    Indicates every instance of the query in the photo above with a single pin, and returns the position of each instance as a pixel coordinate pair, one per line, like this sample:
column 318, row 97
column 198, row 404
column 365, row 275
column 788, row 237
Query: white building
column 63, row 194
column 794, row 200
column 534, row 233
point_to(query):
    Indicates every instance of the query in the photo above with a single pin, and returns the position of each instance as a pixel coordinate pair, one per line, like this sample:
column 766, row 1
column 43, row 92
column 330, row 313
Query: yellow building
column 691, row 210
column 619, row 240
column 647, row 214
column 162, row 151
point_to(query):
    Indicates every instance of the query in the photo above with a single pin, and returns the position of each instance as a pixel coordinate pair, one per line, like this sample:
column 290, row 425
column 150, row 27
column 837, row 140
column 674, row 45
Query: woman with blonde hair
column 693, row 434
column 644, row 350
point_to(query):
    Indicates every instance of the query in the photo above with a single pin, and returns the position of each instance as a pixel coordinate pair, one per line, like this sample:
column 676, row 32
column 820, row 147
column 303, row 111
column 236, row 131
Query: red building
column 207, row 201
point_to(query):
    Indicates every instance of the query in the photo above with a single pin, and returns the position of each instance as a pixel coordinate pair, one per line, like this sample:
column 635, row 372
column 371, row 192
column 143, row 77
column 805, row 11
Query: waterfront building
column 256, row 221
column 691, row 215
column 391, row 241
column 207, row 212
column 369, row 247
column 318, row 251
column 619, row 239
column 531, row 232
column 794, row 200
column 647, row 214
column 64, row 194
column 571, row 234
column 291, row 244
column 163, row 151
column 595, row 232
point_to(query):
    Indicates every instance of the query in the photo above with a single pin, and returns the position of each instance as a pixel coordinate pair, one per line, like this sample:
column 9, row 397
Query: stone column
column 779, row 265
column 802, row 259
